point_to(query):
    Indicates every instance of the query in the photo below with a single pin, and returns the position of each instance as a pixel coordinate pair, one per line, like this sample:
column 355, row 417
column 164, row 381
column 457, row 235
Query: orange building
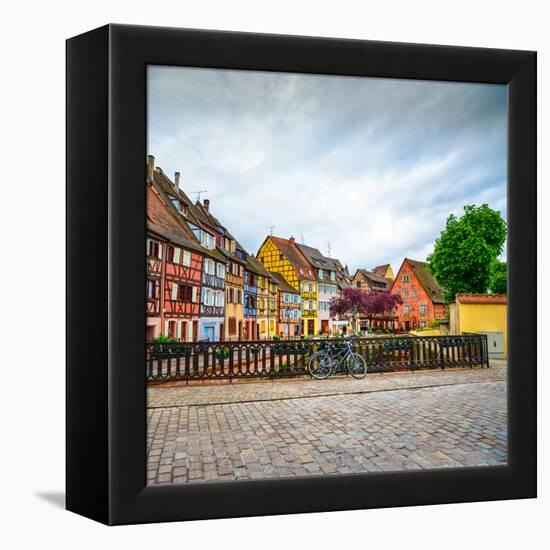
column 423, row 298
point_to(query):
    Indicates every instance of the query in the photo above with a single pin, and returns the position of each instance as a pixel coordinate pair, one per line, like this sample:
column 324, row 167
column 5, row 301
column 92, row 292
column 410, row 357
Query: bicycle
column 323, row 363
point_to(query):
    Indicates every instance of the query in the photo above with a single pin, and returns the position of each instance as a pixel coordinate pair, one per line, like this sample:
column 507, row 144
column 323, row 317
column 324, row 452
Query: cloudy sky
column 372, row 166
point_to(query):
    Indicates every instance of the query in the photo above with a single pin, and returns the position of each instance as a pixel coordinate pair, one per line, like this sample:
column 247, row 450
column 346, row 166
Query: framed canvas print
column 301, row 274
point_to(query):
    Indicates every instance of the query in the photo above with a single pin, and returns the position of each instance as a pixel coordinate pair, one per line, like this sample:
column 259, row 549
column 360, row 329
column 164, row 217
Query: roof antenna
column 302, row 238
column 271, row 228
column 198, row 193
column 328, row 249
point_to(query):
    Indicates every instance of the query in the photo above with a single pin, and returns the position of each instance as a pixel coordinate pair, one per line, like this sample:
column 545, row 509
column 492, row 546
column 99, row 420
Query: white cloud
column 374, row 166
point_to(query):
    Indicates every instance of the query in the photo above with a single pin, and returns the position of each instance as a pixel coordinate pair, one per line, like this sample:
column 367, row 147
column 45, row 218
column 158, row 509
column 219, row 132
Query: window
column 321, row 274
column 406, row 293
column 154, row 249
column 151, row 289
column 405, row 278
column 209, row 266
column 310, row 288
column 229, row 295
column 358, row 283
column 422, row 324
column 281, row 257
column 423, row 309
column 232, row 325
column 332, row 276
column 415, row 294
column 186, row 259
column 174, row 291
column 220, row 271
column 406, row 310
column 170, row 254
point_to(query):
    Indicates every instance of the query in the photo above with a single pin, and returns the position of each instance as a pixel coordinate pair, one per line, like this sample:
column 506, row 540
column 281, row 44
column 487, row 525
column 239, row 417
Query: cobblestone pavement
column 462, row 423
column 162, row 396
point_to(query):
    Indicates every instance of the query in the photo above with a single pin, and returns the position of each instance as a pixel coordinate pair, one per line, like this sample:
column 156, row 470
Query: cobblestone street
column 295, row 428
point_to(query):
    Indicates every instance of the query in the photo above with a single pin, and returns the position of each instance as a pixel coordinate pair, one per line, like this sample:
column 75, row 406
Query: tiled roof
column 295, row 257
column 374, row 277
column 282, row 282
column 482, row 298
column 381, row 270
column 167, row 191
column 315, row 257
column 254, row 265
column 430, row 285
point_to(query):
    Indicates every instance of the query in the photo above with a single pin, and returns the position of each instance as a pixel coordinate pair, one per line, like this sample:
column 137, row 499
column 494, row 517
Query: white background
column 32, row 298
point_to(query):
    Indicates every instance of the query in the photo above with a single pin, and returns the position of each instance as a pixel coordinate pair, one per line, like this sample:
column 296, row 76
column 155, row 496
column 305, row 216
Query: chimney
column 292, row 240
column 150, row 167
column 206, row 204
column 177, row 180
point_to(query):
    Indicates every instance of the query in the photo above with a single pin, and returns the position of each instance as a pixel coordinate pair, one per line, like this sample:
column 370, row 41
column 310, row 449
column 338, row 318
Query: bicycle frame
column 340, row 356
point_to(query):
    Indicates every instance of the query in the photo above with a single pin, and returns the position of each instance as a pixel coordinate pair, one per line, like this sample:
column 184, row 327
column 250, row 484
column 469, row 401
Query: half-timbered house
column 283, row 256
column 174, row 265
column 207, row 292
column 422, row 297
column 290, row 310
column 327, row 285
column 262, row 279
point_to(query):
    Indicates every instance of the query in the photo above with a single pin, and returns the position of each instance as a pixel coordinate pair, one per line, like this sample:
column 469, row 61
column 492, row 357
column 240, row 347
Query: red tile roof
column 482, row 298
column 295, row 257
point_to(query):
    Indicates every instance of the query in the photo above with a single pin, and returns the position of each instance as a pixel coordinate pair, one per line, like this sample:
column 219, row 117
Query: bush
column 224, row 352
column 162, row 339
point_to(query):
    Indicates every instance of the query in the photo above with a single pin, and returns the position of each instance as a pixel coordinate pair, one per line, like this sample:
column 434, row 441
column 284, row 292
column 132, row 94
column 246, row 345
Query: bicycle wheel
column 357, row 366
column 319, row 365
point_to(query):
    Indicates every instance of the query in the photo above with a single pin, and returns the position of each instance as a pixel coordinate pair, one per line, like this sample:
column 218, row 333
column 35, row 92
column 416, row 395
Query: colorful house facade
column 175, row 263
column 423, row 298
column 198, row 239
column 289, row 309
column 327, row 285
column 265, row 317
column 283, row 256
column 250, row 300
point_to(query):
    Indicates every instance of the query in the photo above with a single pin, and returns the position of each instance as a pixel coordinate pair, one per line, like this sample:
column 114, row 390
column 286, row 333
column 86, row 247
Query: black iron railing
column 287, row 358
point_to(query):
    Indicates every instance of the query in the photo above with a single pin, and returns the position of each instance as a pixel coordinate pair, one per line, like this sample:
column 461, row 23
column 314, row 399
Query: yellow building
column 485, row 314
column 283, row 256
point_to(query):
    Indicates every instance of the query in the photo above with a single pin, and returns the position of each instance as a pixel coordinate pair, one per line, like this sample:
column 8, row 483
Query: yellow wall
column 270, row 255
column 484, row 318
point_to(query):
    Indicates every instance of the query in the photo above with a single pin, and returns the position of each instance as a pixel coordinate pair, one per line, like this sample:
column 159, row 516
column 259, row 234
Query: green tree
column 466, row 250
column 498, row 281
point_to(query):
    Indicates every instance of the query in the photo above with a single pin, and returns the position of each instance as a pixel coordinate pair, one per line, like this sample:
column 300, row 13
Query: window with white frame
column 186, row 258
column 405, row 278
column 321, row 274
column 220, row 271
column 422, row 309
column 406, row 310
column 209, row 266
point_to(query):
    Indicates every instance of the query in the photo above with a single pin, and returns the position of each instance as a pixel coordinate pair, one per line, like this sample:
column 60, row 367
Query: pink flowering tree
column 353, row 303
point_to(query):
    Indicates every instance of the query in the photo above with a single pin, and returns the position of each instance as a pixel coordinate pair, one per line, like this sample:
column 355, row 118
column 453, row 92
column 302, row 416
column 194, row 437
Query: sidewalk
column 182, row 396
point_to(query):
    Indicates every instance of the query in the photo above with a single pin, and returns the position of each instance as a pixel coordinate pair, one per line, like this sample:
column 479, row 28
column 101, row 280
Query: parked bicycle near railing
column 325, row 362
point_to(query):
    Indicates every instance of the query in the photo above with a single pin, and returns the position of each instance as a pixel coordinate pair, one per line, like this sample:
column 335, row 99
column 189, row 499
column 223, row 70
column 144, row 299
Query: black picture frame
column 106, row 389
